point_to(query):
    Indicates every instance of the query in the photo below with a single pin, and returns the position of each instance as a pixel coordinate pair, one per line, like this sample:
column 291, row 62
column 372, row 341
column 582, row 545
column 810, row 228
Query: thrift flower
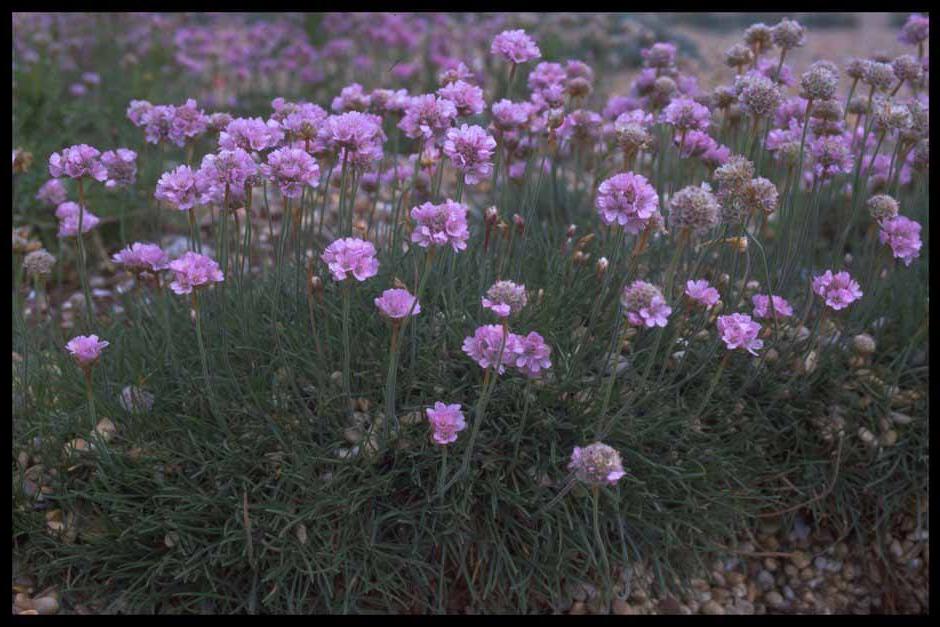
column 644, row 305
column 470, row 148
column 397, row 304
column 596, row 464
column 531, row 355
column 52, row 193
column 86, row 349
column 761, row 302
column 515, row 46
column 427, row 117
column 142, row 257
column 466, row 97
column 483, row 346
column 903, row 236
column 438, row 225
column 193, row 270
column 121, row 165
column 353, row 256
column 38, row 263
column 628, row 200
column 505, row 298
column 686, row 115
column 446, row 420
column 68, row 215
column 838, row 290
column 77, row 162
column 177, row 188
column 739, row 331
column 291, row 169
column 701, row 292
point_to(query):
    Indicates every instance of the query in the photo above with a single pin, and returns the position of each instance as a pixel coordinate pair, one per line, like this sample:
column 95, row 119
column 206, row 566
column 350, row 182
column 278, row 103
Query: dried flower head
column 694, row 208
column 38, row 263
column 882, row 207
column 738, row 56
column 644, row 305
column 879, row 75
column 505, row 298
column 596, row 464
column 788, row 34
column 907, row 68
column 758, row 95
column 818, row 83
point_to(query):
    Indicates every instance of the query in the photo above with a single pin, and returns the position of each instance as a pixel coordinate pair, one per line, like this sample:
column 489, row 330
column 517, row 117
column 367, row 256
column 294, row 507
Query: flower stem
column 346, row 385
column 390, row 382
column 82, row 270
column 91, row 398
column 605, row 595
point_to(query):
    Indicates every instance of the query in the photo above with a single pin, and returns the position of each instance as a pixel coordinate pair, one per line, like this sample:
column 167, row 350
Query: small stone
column 622, row 608
column 669, row 605
column 765, row 580
column 800, row 559
column 743, row 607
column 890, row 438
column 578, row 608
column 46, row 605
column 771, row 564
column 734, row 577
column 739, row 590
column 713, row 608
column 774, row 599
column 900, row 419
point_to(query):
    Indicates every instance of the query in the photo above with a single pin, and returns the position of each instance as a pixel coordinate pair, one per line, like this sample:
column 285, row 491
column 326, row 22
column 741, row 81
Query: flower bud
column 571, row 230
column 863, row 344
column 490, row 216
column 519, row 221
column 601, row 266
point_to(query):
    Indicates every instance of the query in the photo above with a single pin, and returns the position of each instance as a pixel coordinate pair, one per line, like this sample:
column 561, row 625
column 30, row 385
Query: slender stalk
column 82, row 270
column 347, row 394
column 390, row 382
column 714, row 382
column 91, row 398
column 605, row 596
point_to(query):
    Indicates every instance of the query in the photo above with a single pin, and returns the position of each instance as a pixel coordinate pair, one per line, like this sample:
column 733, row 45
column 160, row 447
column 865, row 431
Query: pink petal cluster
column 68, row 215
column 839, row 290
column 427, row 116
column 227, row 169
column 470, row 149
column 903, row 236
column 52, row 193
column 351, row 98
column 739, row 331
column 142, row 257
column 701, row 292
column 515, row 46
column 291, row 169
column 446, row 420
column 251, row 135
column 351, row 256
column 596, row 464
column 121, row 165
column 505, row 298
column 686, row 115
column 86, row 349
column 77, row 162
column 483, row 346
column 627, row 199
column 466, row 97
column 438, row 225
column 193, row 270
column 397, row 304
column 355, row 137
column 644, row 305
column 530, row 354
column 762, row 302
column 177, row 188
column 508, row 115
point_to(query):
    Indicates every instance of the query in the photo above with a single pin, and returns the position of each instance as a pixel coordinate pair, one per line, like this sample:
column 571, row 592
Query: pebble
column 622, row 608
column 774, row 599
column 765, row 580
column 800, row 559
column 713, row 608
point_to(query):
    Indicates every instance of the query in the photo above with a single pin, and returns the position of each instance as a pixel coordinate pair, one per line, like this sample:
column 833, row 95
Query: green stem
column 82, row 270
column 91, row 398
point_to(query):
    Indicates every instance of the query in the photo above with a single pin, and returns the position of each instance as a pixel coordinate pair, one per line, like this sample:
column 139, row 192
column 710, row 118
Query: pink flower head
column 644, row 305
column 350, row 255
column 353, row 136
column 188, row 122
column 446, row 420
column 397, row 304
column 157, row 121
column 457, row 71
column 226, row 169
column 52, row 192
column 701, row 292
column 427, row 116
column 69, row 214
column 545, row 75
column 483, row 346
column 390, row 101
column 695, row 144
column 177, row 188
column 121, row 165
column 505, row 298
column 508, row 115
column 470, row 148
column 531, row 355
column 515, row 46
column 351, row 98
column 660, row 55
column 762, row 302
column 839, row 290
column 739, row 331
column 251, row 135
column 596, row 464
column 77, row 162
column 466, row 97
column 303, row 122
column 903, row 236
column 86, row 349
column 438, row 225
column 136, row 111
column 193, row 270
column 627, row 199
column 291, row 169
column 142, row 257
column 831, row 155
column 686, row 115
column 916, row 30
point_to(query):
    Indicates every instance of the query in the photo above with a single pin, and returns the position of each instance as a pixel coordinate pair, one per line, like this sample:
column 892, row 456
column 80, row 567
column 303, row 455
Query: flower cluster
column 596, row 464
column 839, row 290
column 193, row 271
column 739, row 331
column 446, row 421
column 351, row 256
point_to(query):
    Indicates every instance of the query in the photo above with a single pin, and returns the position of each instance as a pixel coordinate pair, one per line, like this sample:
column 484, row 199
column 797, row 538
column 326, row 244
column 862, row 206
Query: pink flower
column 466, row 97
column 701, row 292
column 446, row 421
column 142, row 257
column 505, row 298
column 515, row 46
column 251, row 135
column 470, row 148
column 136, row 111
column 596, row 464
column 628, row 200
column 427, row 117
column 781, row 307
column 916, row 30
column 397, row 304
column 839, row 290
column 903, row 236
column 230, row 169
column 68, row 214
column 531, row 355
column 121, row 165
column 644, row 305
column 86, row 349
column 739, row 331
column 351, row 98
column 291, row 169
column 438, row 225
column 52, row 192
column 188, row 122
column 483, row 346
column 193, row 270
column 177, row 188
column 353, row 256
column 77, row 162
column 508, row 115
column 686, row 115
column 355, row 137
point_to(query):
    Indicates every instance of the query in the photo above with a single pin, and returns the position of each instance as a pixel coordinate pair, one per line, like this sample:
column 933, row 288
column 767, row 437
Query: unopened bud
column 519, row 222
column 580, row 258
column 601, row 266
column 863, row 344
column 491, row 215
column 399, row 284
column 572, row 229
column 584, row 241
column 556, row 117
column 738, row 243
